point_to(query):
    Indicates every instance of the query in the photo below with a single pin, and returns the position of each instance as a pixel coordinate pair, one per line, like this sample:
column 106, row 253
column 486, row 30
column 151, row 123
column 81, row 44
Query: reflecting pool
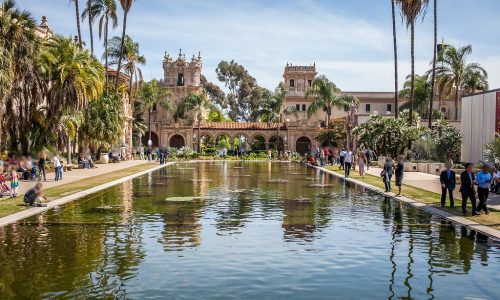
column 243, row 230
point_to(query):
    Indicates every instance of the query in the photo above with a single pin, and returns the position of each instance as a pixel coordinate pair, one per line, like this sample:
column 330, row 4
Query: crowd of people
column 345, row 159
column 149, row 154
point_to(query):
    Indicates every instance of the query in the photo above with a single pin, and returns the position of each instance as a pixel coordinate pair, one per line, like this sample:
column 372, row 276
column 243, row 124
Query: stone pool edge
column 29, row 212
column 425, row 207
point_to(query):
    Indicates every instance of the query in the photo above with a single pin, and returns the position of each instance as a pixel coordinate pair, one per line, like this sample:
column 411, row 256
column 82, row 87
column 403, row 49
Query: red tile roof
column 242, row 126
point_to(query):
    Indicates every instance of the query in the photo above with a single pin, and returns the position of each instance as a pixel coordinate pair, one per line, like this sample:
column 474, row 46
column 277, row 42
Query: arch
column 223, row 140
column 177, row 141
column 273, row 143
column 258, row 142
column 154, row 139
column 303, row 145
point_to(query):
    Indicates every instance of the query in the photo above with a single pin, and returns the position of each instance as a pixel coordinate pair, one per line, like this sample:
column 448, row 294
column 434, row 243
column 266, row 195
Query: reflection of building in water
column 299, row 220
column 182, row 228
column 127, row 190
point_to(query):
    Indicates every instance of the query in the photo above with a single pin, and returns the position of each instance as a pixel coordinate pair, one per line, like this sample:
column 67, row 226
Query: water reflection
column 235, row 228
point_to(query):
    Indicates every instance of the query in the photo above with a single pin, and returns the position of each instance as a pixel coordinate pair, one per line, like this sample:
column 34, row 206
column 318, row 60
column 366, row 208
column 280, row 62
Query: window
column 292, row 83
column 368, row 108
column 154, row 107
column 180, row 79
column 346, row 108
column 389, row 107
column 303, row 107
column 310, row 83
column 297, row 107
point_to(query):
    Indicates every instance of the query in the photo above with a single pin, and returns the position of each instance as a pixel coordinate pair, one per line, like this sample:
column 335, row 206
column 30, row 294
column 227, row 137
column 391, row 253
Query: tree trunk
column 90, row 27
column 433, row 80
column 121, row 50
column 278, row 136
column 457, row 91
column 77, row 11
column 328, row 119
column 412, row 85
column 130, row 83
column 199, row 137
column 396, row 84
column 69, row 151
column 106, row 53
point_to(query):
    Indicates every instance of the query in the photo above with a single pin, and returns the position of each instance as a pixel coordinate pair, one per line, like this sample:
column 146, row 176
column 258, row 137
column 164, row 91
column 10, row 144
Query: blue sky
column 349, row 40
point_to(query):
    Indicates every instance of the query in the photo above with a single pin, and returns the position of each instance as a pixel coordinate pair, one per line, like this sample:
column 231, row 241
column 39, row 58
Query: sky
column 349, row 40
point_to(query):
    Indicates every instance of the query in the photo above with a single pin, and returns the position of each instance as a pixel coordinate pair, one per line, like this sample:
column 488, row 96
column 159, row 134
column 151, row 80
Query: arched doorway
column 273, row 144
column 154, row 139
column 177, row 141
column 258, row 143
column 303, row 145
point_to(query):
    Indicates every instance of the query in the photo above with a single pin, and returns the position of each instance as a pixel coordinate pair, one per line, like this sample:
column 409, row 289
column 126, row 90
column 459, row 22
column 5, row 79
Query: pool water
column 243, row 230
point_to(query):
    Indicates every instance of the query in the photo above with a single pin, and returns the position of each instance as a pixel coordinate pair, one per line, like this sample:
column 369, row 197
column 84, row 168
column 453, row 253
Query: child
column 14, row 182
column 3, row 184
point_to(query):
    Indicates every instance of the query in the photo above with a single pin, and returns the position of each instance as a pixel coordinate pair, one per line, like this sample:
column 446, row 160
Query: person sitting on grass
column 34, row 196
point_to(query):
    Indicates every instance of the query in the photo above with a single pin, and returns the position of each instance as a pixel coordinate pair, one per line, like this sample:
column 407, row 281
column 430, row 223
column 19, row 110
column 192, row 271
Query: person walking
column 41, row 165
column 483, row 179
column 14, row 182
column 321, row 155
column 141, row 152
column 347, row 162
column 448, row 182
column 387, row 174
column 361, row 164
column 467, row 190
column 368, row 157
column 400, row 166
column 342, row 159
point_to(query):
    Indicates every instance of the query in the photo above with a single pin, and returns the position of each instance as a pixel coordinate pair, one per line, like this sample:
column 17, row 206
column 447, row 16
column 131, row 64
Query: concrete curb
column 425, row 207
column 61, row 201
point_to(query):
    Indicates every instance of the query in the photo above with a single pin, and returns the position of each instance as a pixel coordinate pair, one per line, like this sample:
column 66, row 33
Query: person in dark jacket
column 467, row 179
column 448, row 182
column 400, row 166
column 387, row 174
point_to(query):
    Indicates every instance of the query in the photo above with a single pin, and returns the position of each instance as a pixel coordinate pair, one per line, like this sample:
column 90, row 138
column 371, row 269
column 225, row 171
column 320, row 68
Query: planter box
column 423, row 167
column 104, row 159
column 435, row 168
column 411, row 167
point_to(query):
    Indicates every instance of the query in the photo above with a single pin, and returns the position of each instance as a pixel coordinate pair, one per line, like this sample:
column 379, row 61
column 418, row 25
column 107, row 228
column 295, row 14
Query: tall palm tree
column 152, row 94
column 455, row 73
column 87, row 12
column 394, row 37
column 326, row 96
column 77, row 12
column 198, row 105
column 434, row 58
column 411, row 10
column 126, row 6
column 105, row 11
column 130, row 56
column 273, row 109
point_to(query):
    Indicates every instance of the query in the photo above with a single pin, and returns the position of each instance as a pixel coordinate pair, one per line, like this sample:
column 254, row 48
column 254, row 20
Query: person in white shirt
column 58, row 168
column 348, row 162
column 496, row 180
column 342, row 159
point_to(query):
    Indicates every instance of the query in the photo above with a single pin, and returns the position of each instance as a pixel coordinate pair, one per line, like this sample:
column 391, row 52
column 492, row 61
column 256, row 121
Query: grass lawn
column 10, row 206
column 492, row 220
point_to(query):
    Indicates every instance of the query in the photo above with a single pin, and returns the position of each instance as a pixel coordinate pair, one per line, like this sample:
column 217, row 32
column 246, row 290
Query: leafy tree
column 456, row 74
column 244, row 93
column 335, row 134
column 102, row 122
column 422, row 91
column 198, row 106
column 214, row 92
column 216, row 116
column 447, row 141
column 492, row 151
column 152, row 94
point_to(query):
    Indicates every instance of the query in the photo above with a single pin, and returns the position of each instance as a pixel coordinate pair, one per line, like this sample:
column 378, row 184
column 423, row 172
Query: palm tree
column 126, row 6
column 130, row 55
column 88, row 13
column 411, row 10
column 326, row 96
column 434, row 58
column 198, row 106
column 273, row 109
column 105, row 11
column 150, row 95
column 455, row 74
column 77, row 11
column 396, row 85
column 422, row 87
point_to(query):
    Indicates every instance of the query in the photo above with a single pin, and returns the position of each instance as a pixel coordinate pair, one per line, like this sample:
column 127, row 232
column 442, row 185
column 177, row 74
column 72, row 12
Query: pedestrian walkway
column 431, row 183
column 79, row 174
